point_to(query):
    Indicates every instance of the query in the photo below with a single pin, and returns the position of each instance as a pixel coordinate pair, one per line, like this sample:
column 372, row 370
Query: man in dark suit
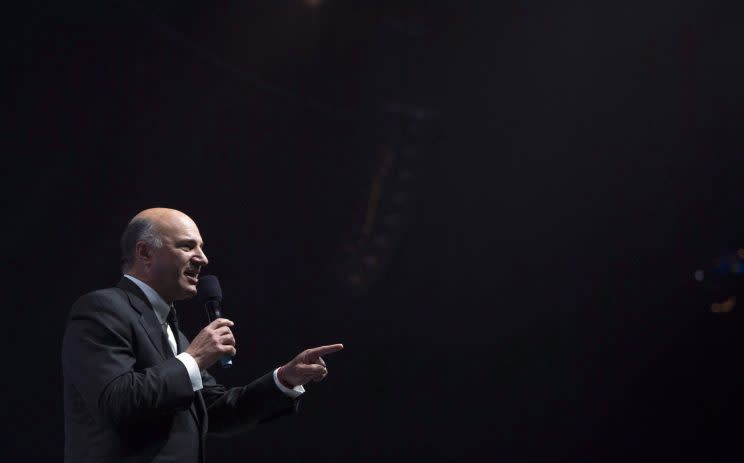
column 135, row 389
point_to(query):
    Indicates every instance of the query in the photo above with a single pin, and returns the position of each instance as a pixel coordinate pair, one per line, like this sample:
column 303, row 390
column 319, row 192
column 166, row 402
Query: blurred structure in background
column 388, row 208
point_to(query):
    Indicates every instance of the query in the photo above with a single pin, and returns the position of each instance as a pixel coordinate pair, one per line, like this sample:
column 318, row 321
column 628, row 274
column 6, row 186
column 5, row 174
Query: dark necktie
column 173, row 323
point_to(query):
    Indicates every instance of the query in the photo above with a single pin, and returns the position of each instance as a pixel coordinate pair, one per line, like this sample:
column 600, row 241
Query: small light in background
column 725, row 306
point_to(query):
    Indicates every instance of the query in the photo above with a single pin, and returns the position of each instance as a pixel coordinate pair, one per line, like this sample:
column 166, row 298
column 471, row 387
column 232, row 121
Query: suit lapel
column 155, row 332
column 147, row 316
column 150, row 322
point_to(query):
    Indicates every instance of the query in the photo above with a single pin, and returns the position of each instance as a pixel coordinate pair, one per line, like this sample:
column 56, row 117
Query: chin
column 186, row 292
column 189, row 291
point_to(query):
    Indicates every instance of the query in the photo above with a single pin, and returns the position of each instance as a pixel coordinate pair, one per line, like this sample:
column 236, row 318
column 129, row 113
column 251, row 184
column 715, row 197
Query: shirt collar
column 161, row 308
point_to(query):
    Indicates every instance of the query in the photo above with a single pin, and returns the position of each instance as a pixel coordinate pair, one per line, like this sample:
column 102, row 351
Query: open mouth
column 192, row 276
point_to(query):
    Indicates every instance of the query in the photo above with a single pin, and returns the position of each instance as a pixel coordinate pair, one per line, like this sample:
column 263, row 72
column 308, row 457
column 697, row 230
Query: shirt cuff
column 293, row 393
column 193, row 369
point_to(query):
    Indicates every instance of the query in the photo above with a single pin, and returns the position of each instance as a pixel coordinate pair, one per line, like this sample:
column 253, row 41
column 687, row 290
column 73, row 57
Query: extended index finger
column 324, row 350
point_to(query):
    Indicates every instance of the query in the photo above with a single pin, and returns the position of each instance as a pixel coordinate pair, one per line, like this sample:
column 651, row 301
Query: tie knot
column 172, row 318
column 173, row 335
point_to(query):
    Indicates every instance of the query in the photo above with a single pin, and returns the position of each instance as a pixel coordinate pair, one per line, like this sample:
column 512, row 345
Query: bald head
column 163, row 248
column 150, row 226
column 162, row 216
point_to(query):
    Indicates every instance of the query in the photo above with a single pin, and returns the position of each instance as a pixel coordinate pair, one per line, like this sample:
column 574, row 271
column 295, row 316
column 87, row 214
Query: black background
column 585, row 161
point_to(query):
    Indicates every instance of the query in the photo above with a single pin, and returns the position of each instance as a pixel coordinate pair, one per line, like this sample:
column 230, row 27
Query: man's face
column 175, row 266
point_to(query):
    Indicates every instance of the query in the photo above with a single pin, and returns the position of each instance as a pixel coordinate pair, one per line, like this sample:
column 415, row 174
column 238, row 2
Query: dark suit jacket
column 128, row 399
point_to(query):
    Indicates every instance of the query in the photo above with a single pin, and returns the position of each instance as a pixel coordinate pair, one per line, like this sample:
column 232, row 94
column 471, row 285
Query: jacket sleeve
column 98, row 357
column 237, row 409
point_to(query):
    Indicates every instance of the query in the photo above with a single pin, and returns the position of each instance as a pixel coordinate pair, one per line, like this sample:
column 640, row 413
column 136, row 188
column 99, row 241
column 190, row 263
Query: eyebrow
column 190, row 241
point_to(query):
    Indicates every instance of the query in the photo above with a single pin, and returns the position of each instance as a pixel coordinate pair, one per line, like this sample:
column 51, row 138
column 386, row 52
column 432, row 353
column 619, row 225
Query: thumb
column 313, row 369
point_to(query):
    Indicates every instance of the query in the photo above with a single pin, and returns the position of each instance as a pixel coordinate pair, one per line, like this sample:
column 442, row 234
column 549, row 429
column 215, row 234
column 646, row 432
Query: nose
column 201, row 258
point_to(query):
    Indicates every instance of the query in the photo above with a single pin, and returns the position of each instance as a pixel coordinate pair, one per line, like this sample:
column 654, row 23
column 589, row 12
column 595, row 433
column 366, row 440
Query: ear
column 142, row 251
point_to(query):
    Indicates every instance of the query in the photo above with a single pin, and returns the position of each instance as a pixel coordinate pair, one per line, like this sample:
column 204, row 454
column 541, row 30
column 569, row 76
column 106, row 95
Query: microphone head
column 208, row 288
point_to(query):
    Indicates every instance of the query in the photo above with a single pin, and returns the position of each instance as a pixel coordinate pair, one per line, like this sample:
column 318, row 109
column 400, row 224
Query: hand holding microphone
column 212, row 343
column 216, row 341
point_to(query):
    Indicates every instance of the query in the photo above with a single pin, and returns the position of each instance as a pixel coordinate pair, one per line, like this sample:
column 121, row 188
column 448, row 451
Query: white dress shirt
column 162, row 309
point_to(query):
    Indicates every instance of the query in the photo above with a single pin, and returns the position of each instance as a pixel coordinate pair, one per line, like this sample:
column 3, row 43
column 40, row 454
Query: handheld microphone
column 209, row 294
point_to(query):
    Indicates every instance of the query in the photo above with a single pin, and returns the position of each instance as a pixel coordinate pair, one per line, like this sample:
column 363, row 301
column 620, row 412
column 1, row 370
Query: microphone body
column 209, row 294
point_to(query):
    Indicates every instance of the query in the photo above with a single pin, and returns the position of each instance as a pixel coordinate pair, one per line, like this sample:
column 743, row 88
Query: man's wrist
column 280, row 376
column 193, row 369
column 291, row 392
